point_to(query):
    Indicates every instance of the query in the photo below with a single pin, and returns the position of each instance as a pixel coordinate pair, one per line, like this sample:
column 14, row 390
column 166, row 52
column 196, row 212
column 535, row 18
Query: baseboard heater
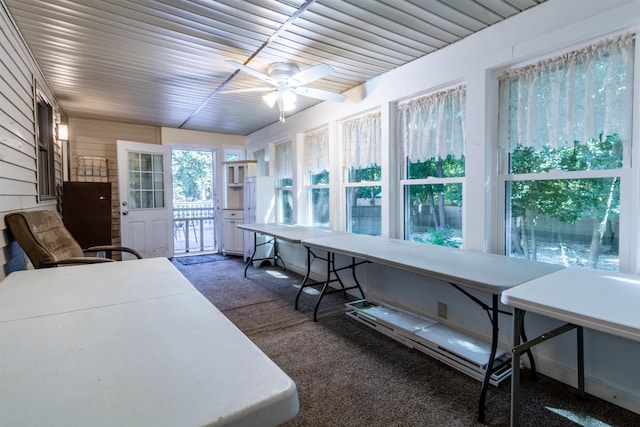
column 458, row 350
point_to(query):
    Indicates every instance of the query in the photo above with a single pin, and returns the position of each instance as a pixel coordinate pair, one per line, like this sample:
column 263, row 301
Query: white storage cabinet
column 233, row 210
column 259, row 208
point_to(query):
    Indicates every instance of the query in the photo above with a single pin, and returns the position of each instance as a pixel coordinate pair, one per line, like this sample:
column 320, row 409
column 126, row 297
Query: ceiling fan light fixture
column 288, row 100
column 271, row 98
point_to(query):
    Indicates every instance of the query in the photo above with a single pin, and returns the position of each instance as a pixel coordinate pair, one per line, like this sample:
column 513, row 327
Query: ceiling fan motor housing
column 282, row 71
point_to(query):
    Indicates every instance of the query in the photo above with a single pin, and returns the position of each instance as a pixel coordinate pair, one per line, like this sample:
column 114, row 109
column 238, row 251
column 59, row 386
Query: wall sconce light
column 63, row 132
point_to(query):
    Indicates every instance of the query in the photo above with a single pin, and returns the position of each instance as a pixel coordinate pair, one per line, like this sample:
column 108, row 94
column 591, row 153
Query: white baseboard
column 625, row 398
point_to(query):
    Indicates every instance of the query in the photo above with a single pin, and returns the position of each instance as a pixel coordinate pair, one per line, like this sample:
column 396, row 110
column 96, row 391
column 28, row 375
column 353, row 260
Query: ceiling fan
column 286, row 80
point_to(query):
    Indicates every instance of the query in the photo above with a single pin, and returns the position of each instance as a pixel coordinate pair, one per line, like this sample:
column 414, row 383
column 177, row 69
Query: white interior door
column 144, row 187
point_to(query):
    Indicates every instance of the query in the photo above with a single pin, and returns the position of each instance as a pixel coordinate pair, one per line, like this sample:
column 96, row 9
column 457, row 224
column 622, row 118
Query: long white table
column 486, row 272
column 295, row 234
column 291, row 233
column 584, row 298
column 129, row 343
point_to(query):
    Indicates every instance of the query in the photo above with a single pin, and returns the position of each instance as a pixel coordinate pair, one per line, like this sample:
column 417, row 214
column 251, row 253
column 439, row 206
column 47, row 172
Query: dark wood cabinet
column 86, row 212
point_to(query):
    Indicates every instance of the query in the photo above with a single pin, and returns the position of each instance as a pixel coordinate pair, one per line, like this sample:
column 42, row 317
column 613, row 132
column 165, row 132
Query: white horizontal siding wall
column 19, row 76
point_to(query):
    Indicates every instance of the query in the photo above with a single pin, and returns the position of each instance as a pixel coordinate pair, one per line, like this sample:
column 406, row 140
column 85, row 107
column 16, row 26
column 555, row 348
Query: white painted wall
column 555, row 25
column 182, row 137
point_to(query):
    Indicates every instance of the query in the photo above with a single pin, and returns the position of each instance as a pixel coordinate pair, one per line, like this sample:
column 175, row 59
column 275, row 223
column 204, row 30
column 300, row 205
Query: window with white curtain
column 284, row 182
column 261, row 165
column 316, row 176
column 361, row 139
column 431, row 132
column 565, row 143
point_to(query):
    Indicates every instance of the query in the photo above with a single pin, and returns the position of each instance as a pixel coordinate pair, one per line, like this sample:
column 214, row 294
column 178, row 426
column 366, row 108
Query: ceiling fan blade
column 249, row 89
column 251, row 71
column 320, row 94
column 310, row 74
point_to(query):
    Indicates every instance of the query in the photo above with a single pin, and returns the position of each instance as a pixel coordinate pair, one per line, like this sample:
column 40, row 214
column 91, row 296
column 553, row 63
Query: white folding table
column 296, row 234
column 291, row 233
column 129, row 343
column 462, row 269
column 584, row 298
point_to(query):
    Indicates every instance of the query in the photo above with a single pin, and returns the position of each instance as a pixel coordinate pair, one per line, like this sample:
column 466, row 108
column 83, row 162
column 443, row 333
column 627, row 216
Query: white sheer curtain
column 259, row 156
column 433, row 126
column 361, row 141
column 573, row 97
column 316, row 151
column 283, row 162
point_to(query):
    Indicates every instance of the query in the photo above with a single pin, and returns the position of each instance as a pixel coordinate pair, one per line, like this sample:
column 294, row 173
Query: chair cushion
column 42, row 236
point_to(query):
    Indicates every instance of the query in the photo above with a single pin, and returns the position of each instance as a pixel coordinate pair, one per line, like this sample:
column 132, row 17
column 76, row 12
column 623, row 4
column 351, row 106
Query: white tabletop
column 290, row 233
column 355, row 245
column 58, row 290
column 485, row 271
column 602, row 300
column 129, row 343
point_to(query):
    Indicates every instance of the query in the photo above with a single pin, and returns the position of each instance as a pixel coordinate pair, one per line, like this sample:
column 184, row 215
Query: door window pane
column 134, row 162
column 145, row 162
column 146, row 175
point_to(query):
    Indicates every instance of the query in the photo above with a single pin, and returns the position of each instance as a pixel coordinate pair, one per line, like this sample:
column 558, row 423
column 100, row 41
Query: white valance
column 573, row 97
column 316, row 151
column 361, row 138
column 433, row 126
column 283, row 161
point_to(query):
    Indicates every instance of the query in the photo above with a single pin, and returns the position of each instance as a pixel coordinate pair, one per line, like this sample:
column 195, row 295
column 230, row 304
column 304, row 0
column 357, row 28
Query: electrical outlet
column 442, row 310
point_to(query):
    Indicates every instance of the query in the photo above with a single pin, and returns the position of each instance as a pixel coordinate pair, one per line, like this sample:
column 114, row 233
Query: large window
column 361, row 160
column 316, row 175
column 432, row 142
column 284, row 183
column 565, row 139
column 45, row 150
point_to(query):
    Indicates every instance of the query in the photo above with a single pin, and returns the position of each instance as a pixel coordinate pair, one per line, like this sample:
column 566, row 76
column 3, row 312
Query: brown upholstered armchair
column 46, row 241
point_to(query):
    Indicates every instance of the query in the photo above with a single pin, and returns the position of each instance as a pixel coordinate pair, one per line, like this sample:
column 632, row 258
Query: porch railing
column 193, row 227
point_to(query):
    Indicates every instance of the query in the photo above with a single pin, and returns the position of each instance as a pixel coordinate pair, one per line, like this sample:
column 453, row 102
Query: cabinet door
column 238, row 238
column 86, row 212
column 233, row 237
column 228, row 232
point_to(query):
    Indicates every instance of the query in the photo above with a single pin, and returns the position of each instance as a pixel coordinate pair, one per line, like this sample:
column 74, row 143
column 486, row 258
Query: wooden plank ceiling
column 162, row 62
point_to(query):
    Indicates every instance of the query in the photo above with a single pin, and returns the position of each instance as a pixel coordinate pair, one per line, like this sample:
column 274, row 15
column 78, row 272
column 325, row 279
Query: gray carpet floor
column 350, row 375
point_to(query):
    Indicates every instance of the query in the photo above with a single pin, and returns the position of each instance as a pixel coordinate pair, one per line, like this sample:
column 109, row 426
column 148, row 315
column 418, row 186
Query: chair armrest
column 113, row 248
column 76, row 260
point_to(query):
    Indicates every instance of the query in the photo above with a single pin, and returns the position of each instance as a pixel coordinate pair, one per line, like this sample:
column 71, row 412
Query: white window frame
column 405, row 182
column 307, row 203
column 629, row 253
column 346, row 185
column 280, row 189
column 45, row 143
